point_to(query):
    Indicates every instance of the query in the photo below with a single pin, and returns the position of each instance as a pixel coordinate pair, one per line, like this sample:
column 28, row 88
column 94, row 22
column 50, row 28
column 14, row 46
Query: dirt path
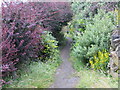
column 64, row 77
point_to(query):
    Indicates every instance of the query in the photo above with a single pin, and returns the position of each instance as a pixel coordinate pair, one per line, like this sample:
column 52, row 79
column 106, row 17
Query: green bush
column 96, row 37
column 90, row 30
column 80, row 7
column 100, row 61
column 50, row 51
column 84, row 12
column 81, row 13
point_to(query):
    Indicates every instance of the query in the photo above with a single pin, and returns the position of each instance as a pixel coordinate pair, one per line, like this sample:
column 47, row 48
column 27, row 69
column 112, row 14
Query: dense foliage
column 23, row 26
column 88, row 8
column 84, row 11
column 96, row 37
column 21, row 35
column 31, row 31
column 100, row 61
column 50, row 50
column 90, row 31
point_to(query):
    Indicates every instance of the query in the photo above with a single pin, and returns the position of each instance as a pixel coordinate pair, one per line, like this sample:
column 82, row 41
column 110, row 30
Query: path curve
column 64, row 77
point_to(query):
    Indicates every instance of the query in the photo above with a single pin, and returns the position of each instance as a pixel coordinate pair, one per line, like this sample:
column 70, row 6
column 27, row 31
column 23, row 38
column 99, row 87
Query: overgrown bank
column 31, row 45
column 90, row 30
column 35, row 75
column 92, row 79
column 40, row 72
column 29, row 36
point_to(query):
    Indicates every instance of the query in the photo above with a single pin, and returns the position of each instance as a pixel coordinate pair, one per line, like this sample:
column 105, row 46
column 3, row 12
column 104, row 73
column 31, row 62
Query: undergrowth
column 36, row 75
column 92, row 79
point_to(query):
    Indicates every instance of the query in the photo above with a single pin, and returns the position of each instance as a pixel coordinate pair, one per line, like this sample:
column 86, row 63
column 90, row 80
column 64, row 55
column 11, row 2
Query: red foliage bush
column 61, row 17
column 20, row 35
column 22, row 26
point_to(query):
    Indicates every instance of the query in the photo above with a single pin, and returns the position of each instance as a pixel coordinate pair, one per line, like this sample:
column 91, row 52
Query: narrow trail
column 64, row 77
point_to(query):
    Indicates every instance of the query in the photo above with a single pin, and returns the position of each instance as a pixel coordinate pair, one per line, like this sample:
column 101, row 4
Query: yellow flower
column 93, row 66
column 106, row 55
column 100, row 59
column 91, row 62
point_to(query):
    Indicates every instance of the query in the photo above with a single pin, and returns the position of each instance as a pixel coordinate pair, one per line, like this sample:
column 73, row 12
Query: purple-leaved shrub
column 22, row 26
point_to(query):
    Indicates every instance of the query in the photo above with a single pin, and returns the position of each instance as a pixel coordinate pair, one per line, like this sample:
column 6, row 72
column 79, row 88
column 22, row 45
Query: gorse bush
column 95, row 38
column 23, row 25
column 90, row 30
column 100, row 61
column 50, row 50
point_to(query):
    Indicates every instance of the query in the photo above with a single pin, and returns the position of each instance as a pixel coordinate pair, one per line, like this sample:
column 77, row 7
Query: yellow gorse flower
column 91, row 62
column 100, row 60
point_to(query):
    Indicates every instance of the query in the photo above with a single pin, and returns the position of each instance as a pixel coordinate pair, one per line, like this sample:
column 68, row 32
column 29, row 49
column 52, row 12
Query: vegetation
column 90, row 30
column 90, row 78
column 94, row 39
column 50, row 50
column 100, row 61
column 36, row 75
column 32, row 38
column 91, row 36
column 94, row 79
column 23, row 39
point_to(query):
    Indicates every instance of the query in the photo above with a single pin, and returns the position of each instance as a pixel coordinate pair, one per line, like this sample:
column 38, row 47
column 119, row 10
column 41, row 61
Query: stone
column 118, row 51
column 114, row 57
column 115, row 53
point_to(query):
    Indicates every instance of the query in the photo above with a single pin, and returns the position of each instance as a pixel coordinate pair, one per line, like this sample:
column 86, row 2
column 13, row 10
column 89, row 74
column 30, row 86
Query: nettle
column 22, row 27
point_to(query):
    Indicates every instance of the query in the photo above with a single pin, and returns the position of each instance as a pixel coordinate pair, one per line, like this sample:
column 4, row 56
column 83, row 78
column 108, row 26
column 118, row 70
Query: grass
column 38, row 75
column 92, row 79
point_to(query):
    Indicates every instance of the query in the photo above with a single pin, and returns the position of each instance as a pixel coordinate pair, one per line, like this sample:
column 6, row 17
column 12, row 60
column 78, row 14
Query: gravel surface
column 64, row 77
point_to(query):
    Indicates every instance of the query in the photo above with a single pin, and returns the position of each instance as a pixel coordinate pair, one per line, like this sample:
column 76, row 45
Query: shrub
column 84, row 12
column 90, row 29
column 100, row 61
column 88, row 8
column 95, row 38
column 61, row 18
column 78, row 24
column 62, row 14
column 20, row 36
column 50, row 50
column 23, row 24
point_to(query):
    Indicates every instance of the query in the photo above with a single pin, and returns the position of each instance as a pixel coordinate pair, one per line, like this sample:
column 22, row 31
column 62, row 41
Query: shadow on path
column 64, row 77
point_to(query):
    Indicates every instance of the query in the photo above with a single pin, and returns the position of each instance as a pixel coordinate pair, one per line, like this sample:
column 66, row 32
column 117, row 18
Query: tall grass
column 38, row 75
column 92, row 79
